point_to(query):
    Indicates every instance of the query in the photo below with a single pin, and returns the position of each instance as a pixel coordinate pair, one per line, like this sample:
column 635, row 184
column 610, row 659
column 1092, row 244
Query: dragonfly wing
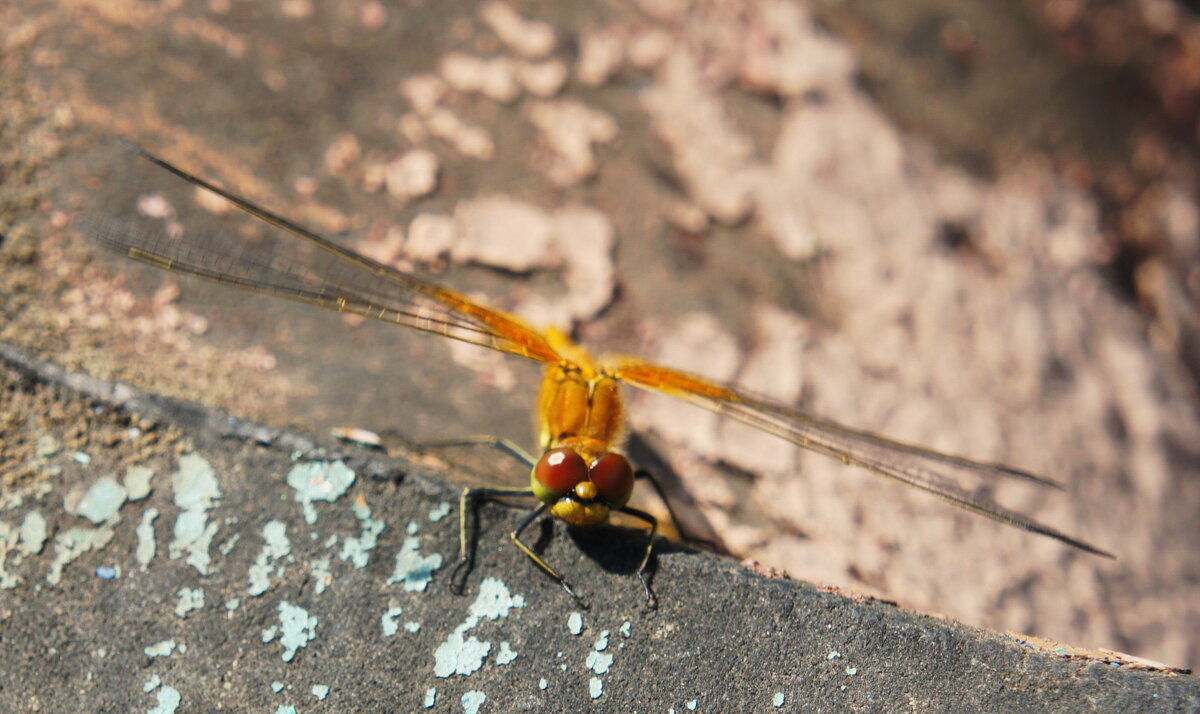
column 925, row 469
column 298, row 264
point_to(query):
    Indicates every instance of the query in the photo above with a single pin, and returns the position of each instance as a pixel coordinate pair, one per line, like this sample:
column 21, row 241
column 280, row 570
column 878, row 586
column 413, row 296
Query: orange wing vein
column 326, row 274
column 925, row 469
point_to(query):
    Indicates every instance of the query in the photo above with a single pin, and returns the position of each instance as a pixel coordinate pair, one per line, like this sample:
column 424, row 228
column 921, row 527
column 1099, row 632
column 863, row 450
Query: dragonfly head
column 580, row 494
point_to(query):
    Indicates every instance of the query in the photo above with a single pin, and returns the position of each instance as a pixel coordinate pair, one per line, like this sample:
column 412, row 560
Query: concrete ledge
column 343, row 595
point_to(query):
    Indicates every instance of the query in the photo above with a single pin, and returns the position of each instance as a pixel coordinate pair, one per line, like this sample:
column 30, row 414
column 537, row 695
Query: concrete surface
column 120, row 632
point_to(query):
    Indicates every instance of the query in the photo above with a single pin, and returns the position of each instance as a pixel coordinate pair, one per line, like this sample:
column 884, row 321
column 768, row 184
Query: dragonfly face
column 580, row 494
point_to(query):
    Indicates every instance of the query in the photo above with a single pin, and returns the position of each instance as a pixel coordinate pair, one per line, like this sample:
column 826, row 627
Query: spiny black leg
column 516, row 537
column 646, row 475
column 466, row 556
column 651, row 600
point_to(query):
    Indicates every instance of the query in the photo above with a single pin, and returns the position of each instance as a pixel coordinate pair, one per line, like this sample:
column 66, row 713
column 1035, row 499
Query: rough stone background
column 927, row 222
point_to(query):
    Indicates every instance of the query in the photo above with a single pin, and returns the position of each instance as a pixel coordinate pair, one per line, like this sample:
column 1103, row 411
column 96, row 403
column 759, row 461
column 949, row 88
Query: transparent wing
column 317, row 271
column 925, row 469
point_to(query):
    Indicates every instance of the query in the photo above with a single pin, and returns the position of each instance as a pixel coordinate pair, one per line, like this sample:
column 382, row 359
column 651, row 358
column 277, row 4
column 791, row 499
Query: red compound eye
column 560, row 469
column 613, row 477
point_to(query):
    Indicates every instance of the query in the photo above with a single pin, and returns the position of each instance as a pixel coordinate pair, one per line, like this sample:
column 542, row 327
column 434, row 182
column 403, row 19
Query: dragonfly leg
column 643, row 474
column 651, row 600
column 507, row 446
column 466, row 555
column 516, row 538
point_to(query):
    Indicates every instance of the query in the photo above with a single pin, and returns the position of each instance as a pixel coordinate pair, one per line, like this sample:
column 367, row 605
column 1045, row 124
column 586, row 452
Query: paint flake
column 102, row 501
column 299, row 628
column 413, row 627
column 319, row 481
column 358, row 550
column 602, row 643
column 388, row 621
column 626, row 629
column 412, row 568
column 277, row 686
column 33, row 534
column 168, row 701
column 189, row 600
column 276, row 546
column 322, row 577
column 137, row 482
column 233, row 603
column 320, row 691
column 778, row 700
column 506, row 654
column 160, row 649
column 599, row 662
column 464, row 655
column 542, row 683
column 441, row 511
column 472, row 700
column 195, row 491
column 575, row 623
column 595, row 687
column 73, row 543
column 430, row 697
column 152, row 683
column 146, row 547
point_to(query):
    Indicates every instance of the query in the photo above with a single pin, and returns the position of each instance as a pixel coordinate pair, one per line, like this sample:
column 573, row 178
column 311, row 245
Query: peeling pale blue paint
column 464, row 655
column 413, row 627
column 575, row 623
column 299, row 628
column 542, row 683
column 226, row 547
column 102, row 501
column 412, row 568
column 137, row 482
column 358, row 550
column 82, row 457
column 189, row 600
column 595, row 688
column 73, row 543
column 320, row 691
column 412, row 528
column 599, row 662
column 9, row 537
column 833, row 655
column 107, row 572
column 152, row 683
column 778, row 700
column 322, row 576
column 505, row 655
column 692, row 705
column 146, row 547
column 319, row 481
column 626, row 629
column 233, row 603
column 459, row 655
column 602, row 643
column 441, row 511
column 168, row 701
column 852, row 671
column 286, row 709
column 160, row 649
column 277, row 686
column 269, row 633
column 182, row 648
column 195, row 490
column 276, row 546
column 331, row 540
column 430, row 697
column 388, row 621
column 33, row 534
column 472, row 700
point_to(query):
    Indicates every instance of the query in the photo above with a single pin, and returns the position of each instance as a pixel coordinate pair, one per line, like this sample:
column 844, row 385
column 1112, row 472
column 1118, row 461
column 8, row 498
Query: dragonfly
column 581, row 476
